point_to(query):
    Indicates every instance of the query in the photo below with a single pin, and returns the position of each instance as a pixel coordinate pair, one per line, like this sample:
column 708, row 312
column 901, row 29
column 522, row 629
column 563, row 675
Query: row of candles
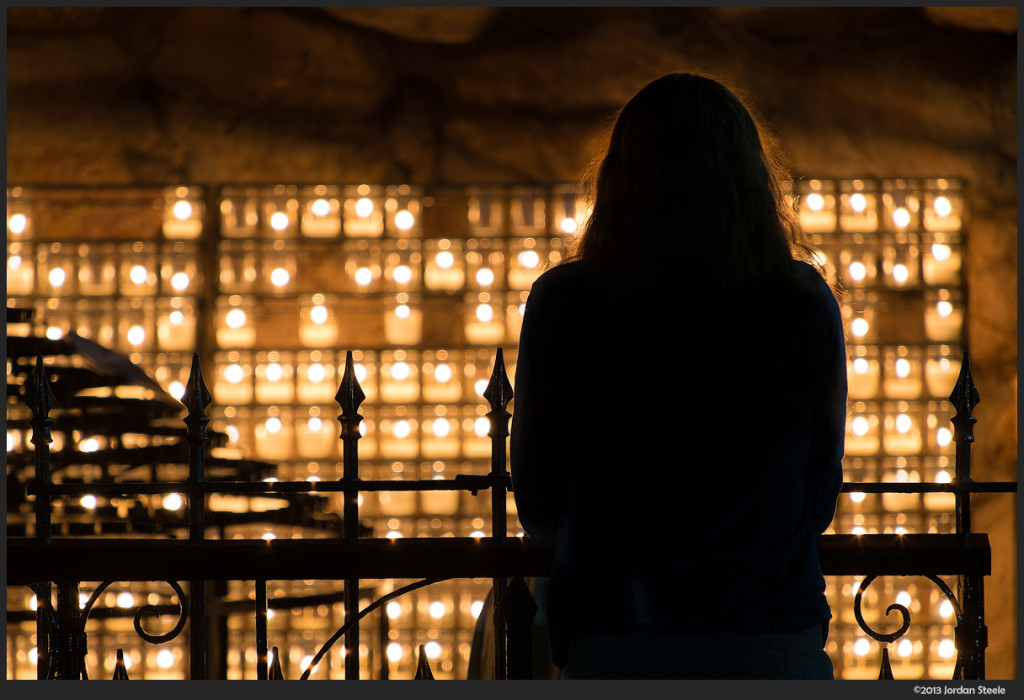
column 142, row 269
column 487, row 318
column 865, row 206
column 355, row 212
column 373, row 211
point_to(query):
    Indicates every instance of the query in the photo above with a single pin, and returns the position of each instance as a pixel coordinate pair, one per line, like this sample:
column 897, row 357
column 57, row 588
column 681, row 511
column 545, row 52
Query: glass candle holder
column 444, row 265
column 316, row 379
column 363, row 212
column 858, row 206
column 96, row 320
column 941, row 370
column 274, row 434
column 316, row 434
column 279, row 211
column 402, row 265
column 483, row 317
column 233, row 378
column 515, row 307
column 237, row 266
column 403, row 319
column 279, row 267
column 135, row 325
column 527, row 212
column 178, row 270
column 441, row 376
column 485, row 211
column 183, row 213
column 235, row 326
column 362, row 266
column 171, row 370
column 863, row 429
column 239, row 212
column 97, row 269
column 19, row 215
column 176, row 324
column 21, row 274
column 942, row 258
column 320, row 215
column 399, row 433
column 939, row 470
column 54, row 318
column 943, row 315
column 901, row 470
column 475, row 426
column 817, row 205
column 901, row 258
column 55, row 271
column 901, row 205
column 943, row 205
column 863, row 371
column 527, row 259
column 318, row 321
column 940, row 427
column 404, row 212
column 904, row 372
column 366, row 367
column 275, row 377
column 485, row 270
column 570, row 210
column 859, row 316
column 858, row 260
column 138, row 275
column 399, row 376
column 903, row 429
column 441, row 437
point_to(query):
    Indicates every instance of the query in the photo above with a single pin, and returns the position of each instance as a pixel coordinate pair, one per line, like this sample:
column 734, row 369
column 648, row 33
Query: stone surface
column 464, row 95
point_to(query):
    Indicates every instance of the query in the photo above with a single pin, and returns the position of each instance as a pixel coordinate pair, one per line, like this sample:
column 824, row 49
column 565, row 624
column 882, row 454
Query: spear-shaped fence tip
column 350, row 394
column 39, row 396
column 885, row 673
column 965, row 395
column 197, row 397
column 120, row 671
column 499, row 389
column 423, row 672
column 275, row 674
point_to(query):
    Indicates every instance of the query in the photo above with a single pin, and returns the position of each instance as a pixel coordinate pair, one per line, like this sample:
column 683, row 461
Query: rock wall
column 483, row 94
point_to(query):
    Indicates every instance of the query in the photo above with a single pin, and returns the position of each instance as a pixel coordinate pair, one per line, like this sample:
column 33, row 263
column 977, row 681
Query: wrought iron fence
column 49, row 564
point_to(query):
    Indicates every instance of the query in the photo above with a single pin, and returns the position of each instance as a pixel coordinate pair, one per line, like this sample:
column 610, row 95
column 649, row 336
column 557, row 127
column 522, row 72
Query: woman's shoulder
column 562, row 276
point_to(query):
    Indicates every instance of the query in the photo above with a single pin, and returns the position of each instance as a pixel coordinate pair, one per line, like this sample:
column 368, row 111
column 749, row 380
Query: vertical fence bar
column 498, row 394
column 261, row 630
column 517, row 609
column 40, row 399
column 971, row 633
column 349, row 396
column 197, row 397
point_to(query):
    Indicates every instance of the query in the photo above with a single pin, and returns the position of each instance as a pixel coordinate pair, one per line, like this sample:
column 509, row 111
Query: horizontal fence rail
column 49, row 564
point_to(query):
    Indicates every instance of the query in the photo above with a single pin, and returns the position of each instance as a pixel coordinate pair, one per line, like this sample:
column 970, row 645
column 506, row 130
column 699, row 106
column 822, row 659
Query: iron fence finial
column 197, row 397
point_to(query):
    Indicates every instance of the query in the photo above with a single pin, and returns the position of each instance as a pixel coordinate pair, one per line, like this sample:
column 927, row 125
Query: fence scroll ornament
column 61, row 625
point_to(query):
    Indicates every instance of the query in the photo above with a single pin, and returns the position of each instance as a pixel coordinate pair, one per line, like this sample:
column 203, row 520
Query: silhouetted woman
column 680, row 406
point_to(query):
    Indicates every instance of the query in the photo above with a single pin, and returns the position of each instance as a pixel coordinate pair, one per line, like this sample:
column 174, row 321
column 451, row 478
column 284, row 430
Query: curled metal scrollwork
column 168, row 636
column 905, row 614
column 144, row 610
column 884, row 638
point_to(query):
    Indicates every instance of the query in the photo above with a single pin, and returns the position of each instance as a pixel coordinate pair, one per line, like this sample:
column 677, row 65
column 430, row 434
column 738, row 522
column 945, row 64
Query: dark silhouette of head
column 686, row 191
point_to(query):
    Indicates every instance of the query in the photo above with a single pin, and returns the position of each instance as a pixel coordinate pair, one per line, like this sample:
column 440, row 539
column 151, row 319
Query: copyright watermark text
column 959, row 690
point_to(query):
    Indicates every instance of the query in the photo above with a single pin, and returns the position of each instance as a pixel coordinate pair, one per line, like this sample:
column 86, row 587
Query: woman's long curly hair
column 687, row 191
